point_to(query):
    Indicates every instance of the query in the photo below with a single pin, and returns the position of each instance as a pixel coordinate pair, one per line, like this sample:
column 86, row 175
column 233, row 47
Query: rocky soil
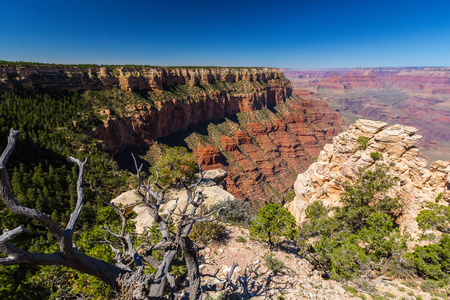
column 298, row 280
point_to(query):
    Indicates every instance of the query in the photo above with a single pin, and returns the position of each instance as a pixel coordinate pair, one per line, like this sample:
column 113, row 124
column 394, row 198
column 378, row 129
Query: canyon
column 246, row 121
column 414, row 96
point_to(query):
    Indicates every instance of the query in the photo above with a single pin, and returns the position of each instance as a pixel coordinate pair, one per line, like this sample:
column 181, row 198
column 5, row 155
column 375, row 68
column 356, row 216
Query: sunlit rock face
column 340, row 161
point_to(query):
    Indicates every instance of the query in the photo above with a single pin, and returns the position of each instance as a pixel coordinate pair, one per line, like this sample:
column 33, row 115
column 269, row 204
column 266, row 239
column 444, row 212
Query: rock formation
column 264, row 150
column 340, row 161
column 210, row 187
column 132, row 78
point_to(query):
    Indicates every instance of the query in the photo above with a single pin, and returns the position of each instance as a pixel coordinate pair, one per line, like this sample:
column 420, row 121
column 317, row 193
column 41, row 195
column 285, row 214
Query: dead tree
column 127, row 276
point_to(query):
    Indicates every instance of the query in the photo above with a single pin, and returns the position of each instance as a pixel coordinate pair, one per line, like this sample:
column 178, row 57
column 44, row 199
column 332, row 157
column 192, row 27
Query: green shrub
column 439, row 197
column 316, row 210
column 234, row 212
column 360, row 236
column 272, row 223
column 176, row 165
column 367, row 195
column 433, row 261
column 203, row 232
column 240, row 239
column 437, row 217
column 273, row 264
column 289, row 196
column 376, row 155
column 362, row 142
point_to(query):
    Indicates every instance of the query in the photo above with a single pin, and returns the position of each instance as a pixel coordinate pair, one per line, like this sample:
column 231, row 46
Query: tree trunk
column 195, row 289
column 157, row 289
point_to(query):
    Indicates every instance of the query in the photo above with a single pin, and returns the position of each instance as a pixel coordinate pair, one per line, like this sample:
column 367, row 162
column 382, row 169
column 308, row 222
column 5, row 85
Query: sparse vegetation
column 376, row 155
column 273, row 264
column 272, row 223
column 360, row 234
column 205, row 232
column 241, row 239
column 233, row 212
column 362, row 142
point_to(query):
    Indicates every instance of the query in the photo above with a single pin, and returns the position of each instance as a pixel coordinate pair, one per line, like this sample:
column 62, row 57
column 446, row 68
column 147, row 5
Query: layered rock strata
column 340, row 161
column 133, row 78
column 258, row 134
column 414, row 96
column 226, row 91
column 264, row 150
column 145, row 123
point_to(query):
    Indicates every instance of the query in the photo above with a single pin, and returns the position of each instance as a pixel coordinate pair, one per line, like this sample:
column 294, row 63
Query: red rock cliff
column 264, row 150
column 142, row 124
column 225, row 91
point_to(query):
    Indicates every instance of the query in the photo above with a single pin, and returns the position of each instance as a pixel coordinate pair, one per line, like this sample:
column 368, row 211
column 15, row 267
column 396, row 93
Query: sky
column 284, row 34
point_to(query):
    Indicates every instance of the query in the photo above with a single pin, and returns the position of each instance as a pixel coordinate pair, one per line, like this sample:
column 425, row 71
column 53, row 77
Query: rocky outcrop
column 210, row 186
column 340, row 161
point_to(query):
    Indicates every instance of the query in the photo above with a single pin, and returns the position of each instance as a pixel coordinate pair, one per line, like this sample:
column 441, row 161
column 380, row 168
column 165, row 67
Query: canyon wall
column 142, row 124
column 414, row 96
column 133, row 78
column 264, row 150
column 432, row 80
column 222, row 91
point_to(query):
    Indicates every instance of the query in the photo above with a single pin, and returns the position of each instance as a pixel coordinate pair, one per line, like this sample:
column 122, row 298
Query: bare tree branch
column 113, row 206
column 75, row 215
column 118, row 258
column 16, row 255
column 10, row 201
column 131, row 282
column 10, row 234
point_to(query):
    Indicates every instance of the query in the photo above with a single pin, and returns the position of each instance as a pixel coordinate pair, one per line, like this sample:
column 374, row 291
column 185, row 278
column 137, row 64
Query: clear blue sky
column 295, row 34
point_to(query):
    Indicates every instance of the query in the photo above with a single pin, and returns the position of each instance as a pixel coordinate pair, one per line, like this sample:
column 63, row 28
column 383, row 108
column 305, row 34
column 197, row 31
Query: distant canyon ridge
column 247, row 121
column 413, row 96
